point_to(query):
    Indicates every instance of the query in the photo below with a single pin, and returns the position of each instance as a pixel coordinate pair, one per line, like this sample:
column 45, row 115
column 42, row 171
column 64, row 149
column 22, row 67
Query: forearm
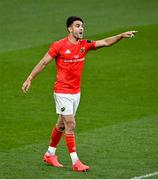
column 36, row 70
column 39, row 67
column 112, row 40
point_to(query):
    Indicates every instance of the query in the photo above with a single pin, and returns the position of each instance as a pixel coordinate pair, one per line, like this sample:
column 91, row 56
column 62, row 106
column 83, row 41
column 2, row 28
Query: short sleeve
column 90, row 45
column 53, row 50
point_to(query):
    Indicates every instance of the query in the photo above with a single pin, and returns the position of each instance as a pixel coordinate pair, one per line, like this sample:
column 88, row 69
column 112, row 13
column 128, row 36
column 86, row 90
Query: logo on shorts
column 62, row 109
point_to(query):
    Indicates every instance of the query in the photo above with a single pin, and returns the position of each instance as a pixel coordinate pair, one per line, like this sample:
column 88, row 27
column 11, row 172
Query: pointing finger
column 134, row 32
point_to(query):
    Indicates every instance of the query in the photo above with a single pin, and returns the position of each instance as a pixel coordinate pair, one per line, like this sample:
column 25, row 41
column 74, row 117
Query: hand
column 26, row 85
column 129, row 34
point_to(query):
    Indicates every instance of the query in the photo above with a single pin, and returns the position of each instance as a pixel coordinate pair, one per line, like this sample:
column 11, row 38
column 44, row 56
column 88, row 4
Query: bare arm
column 114, row 39
column 37, row 69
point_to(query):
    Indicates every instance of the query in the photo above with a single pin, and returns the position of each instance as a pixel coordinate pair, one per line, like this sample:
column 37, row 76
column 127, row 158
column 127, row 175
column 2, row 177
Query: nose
column 81, row 28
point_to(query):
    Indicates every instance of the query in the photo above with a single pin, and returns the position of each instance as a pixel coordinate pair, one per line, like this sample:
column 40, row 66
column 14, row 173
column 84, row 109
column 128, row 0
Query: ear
column 70, row 29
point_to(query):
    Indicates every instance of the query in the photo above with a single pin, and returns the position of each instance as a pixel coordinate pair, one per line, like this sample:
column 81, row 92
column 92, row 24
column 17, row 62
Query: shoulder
column 59, row 43
column 86, row 41
column 89, row 44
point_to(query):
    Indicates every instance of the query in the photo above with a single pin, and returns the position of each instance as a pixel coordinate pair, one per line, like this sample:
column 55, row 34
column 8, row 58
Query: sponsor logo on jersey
column 73, row 60
column 67, row 51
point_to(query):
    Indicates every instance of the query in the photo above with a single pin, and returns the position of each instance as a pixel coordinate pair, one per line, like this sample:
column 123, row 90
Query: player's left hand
column 129, row 34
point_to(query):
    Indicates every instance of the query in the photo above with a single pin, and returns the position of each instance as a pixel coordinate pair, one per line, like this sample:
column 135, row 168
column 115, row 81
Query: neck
column 73, row 39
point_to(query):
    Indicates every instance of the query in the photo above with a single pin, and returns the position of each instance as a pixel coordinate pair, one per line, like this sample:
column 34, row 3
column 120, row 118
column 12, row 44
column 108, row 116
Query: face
column 77, row 29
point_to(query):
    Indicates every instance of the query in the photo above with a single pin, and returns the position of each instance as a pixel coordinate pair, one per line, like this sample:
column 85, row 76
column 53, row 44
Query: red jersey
column 69, row 60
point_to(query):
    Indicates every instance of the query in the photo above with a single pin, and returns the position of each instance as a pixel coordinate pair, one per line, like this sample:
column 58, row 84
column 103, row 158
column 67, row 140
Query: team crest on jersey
column 82, row 49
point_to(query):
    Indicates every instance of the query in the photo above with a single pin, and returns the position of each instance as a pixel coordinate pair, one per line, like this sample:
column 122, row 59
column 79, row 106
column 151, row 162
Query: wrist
column 121, row 35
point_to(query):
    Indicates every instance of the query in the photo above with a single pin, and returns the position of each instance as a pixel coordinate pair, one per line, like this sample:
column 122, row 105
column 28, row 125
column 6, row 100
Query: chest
column 70, row 51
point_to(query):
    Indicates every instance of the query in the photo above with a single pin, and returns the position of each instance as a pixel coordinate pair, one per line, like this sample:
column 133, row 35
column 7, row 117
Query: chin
column 80, row 37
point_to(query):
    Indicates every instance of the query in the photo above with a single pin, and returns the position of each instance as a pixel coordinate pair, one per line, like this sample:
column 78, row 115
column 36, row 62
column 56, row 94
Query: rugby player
column 69, row 54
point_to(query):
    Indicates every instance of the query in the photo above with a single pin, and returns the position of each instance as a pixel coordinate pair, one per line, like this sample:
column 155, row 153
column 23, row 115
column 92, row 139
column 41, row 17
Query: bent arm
column 37, row 69
column 114, row 39
column 40, row 66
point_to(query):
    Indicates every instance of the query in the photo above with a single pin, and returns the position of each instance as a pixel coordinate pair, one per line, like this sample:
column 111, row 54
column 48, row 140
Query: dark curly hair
column 71, row 19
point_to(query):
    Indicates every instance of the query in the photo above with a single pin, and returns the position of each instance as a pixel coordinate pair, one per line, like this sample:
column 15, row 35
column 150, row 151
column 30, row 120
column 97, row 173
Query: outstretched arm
column 114, row 39
column 37, row 69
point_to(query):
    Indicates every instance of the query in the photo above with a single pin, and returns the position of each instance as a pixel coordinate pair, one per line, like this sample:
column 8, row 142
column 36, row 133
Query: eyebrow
column 78, row 24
